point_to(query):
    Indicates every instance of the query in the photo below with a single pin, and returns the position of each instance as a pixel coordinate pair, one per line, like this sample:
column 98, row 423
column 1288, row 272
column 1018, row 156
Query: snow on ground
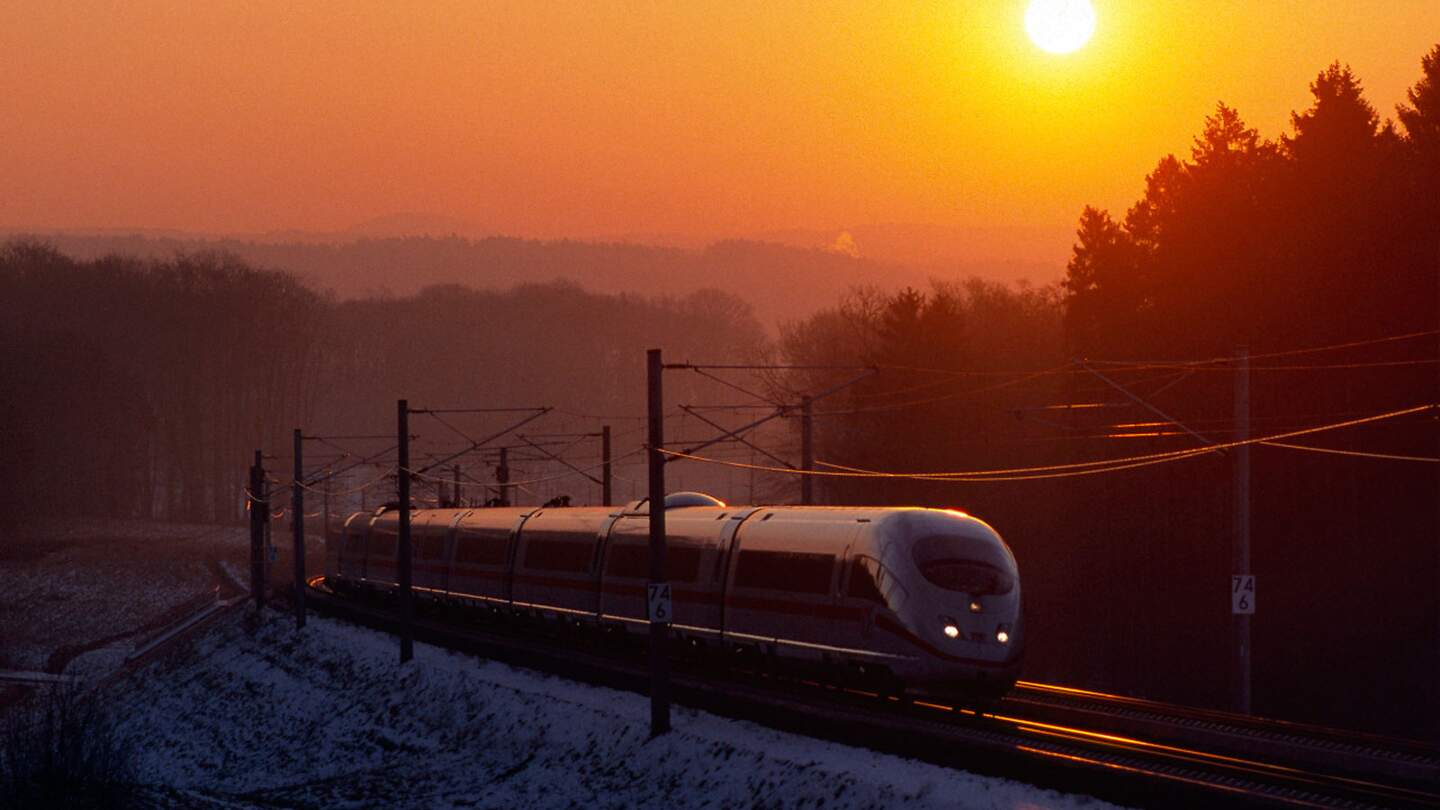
column 70, row 584
column 328, row 718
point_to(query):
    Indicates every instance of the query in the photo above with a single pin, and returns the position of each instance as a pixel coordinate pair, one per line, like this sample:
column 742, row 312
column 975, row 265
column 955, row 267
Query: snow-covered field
column 328, row 718
column 75, row 584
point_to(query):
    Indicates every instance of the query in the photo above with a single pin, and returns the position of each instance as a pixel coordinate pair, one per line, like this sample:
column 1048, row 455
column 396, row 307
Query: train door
column 694, row 567
column 860, row 594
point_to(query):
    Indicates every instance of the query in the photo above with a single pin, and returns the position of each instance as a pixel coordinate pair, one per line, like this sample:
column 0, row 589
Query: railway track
column 1358, row 754
column 1121, row 749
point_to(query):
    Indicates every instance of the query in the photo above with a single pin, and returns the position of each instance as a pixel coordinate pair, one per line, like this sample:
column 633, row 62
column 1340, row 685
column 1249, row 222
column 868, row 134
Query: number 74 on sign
column 1242, row 594
column 658, row 602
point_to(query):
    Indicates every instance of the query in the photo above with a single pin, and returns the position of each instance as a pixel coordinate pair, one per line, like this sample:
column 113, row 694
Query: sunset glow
column 695, row 120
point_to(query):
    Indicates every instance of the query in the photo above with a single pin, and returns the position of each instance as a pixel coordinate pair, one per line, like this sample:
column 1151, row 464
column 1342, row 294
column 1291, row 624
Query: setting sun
column 1060, row 26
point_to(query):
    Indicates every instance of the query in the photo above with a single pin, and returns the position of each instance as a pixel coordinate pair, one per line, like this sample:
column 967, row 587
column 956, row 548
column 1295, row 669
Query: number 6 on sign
column 1242, row 594
column 658, row 601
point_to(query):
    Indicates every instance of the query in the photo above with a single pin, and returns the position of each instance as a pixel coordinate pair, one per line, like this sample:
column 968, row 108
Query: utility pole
column 502, row 476
column 297, row 521
column 1242, row 583
column 455, row 494
column 402, row 473
column 659, row 622
column 258, row 510
column 268, row 544
column 606, row 481
column 807, row 451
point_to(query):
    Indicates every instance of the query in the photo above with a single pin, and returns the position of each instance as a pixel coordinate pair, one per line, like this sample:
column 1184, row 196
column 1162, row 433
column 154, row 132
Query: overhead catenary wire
column 948, row 378
column 936, row 399
column 1073, row 368
column 1172, row 454
column 1018, row 378
column 311, row 486
column 767, row 367
column 1210, row 366
column 733, row 386
column 558, row 476
column 477, row 445
column 1352, row 453
column 457, row 431
column 1143, row 364
column 1056, row 470
column 1284, row 353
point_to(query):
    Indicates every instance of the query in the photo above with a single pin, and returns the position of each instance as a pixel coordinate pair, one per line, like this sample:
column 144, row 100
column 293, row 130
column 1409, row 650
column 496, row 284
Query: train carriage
column 481, row 554
column 782, row 595
column 556, row 571
column 694, row 567
column 928, row 597
column 432, row 533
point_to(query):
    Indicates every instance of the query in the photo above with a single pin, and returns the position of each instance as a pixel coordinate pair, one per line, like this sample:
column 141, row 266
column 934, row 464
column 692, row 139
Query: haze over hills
column 783, row 275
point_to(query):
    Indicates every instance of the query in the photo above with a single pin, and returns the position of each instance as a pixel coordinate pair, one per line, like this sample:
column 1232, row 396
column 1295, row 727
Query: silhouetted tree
column 1328, row 237
column 1104, row 288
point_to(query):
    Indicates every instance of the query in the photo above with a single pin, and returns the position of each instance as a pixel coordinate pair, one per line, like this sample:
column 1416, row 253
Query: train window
column 431, row 547
column 958, row 563
column 682, row 563
column 382, row 545
column 481, row 549
column 785, row 571
column 570, row 553
column 864, row 576
column 628, row 562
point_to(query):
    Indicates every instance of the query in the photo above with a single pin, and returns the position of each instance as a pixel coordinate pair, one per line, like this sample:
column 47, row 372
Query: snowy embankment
column 328, row 718
column 84, row 592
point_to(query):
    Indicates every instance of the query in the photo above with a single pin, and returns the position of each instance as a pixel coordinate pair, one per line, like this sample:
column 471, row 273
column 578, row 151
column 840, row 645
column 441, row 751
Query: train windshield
column 967, row 564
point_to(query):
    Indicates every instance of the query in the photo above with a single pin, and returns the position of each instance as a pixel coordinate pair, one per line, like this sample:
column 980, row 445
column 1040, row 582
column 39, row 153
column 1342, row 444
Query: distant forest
column 139, row 386
column 780, row 282
column 146, row 384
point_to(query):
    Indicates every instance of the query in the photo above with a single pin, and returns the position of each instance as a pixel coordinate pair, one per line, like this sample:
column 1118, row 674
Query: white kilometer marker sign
column 1242, row 594
column 658, row 601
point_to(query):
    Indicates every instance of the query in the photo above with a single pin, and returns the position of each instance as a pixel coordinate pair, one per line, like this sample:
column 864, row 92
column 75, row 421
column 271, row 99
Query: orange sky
column 593, row 118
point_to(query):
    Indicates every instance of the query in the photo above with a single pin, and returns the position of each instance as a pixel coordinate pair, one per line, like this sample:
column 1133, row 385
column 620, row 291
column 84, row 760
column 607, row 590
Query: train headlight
column 1002, row 634
column 949, row 626
column 975, row 606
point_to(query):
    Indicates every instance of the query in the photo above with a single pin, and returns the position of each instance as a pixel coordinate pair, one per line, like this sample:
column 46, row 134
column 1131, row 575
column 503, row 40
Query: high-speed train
column 927, row 599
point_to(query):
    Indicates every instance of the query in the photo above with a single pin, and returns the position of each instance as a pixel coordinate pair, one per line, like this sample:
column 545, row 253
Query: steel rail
column 1340, row 750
